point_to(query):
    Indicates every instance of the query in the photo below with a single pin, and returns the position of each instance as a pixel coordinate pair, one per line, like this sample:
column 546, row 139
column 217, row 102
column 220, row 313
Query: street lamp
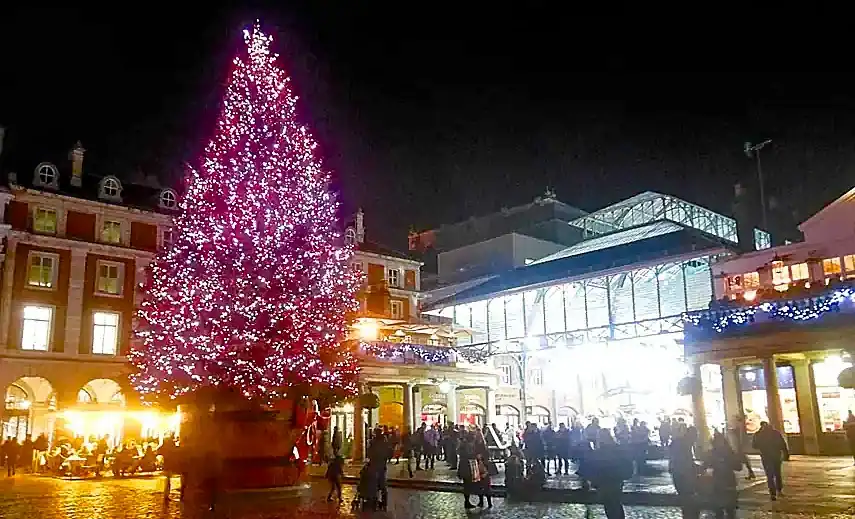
column 754, row 150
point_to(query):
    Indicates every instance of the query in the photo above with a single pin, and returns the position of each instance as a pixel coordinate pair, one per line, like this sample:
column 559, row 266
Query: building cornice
column 67, row 243
column 30, row 195
column 359, row 253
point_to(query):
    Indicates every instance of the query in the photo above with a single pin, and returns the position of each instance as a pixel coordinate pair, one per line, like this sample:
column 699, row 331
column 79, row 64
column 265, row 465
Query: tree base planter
column 232, row 445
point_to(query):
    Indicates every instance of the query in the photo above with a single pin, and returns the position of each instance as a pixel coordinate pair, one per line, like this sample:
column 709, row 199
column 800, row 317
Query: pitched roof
column 658, row 240
column 375, row 248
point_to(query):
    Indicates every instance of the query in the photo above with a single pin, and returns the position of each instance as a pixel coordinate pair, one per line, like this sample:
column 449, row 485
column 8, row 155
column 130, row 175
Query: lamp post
column 754, row 150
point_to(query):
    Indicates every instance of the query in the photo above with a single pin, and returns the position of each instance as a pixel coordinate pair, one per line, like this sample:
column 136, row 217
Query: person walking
column 724, row 462
column 684, row 473
column 484, row 483
column 773, row 450
column 336, row 441
column 171, row 464
column 737, row 433
column 335, row 471
column 12, row 448
column 418, row 442
column 431, row 443
column 849, row 426
column 407, row 448
column 611, row 468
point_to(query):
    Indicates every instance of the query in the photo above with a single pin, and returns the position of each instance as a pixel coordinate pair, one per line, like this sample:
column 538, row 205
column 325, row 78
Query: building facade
column 412, row 366
column 76, row 246
column 596, row 329
column 778, row 336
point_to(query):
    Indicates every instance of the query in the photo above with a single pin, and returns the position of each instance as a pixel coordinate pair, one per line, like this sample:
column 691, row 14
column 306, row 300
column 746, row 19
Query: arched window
column 350, row 236
column 46, row 175
column 111, row 189
column 168, row 200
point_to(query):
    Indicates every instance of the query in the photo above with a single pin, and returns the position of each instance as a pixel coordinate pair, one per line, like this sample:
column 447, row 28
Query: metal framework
column 635, row 303
column 649, row 207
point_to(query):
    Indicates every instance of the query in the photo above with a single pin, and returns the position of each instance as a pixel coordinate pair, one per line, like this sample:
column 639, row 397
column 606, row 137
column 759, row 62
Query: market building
column 778, row 336
column 76, row 245
column 595, row 329
column 411, row 365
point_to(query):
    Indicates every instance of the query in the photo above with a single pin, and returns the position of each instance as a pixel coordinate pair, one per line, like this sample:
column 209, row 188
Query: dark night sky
column 430, row 118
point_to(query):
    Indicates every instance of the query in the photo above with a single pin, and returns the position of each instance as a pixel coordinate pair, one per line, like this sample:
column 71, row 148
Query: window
column 111, row 188
column 535, row 377
column 168, row 200
column 849, row 262
column 44, row 221
column 831, row 267
column 780, row 273
column 105, row 333
column 505, row 374
column 111, row 231
column 394, row 278
column 46, row 175
column 800, row 271
column 350, row 236
column 166, row 238
column 397, row 309
column 43, row 268
column 110, row 278
column 750, row 280
column 357, row 265
column 36, row 328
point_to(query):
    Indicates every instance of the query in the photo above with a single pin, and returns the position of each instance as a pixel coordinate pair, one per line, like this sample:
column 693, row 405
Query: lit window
column 111, row 231
column 44, row 221
column 394, row 278
column 350, row 236
column 397, row 309
column 505, row 374
column 46, row 175
column 83, row 397
column 357, row 265
column 750, row 280
column 42, row 273
column 36, row 328
column 780, row 273
column 535, row 377
column 110, row 278
column 105, row 333
column 800, row 271
column 111, row 188
column 849, row 262
column 166, row 238
column 831, row 267
column 168, row 200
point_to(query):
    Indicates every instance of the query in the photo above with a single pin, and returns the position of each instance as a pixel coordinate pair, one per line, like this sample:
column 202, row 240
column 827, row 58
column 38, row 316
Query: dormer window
column 168, row 199
column 46, row 176
column 111, row 189
column 350, row 236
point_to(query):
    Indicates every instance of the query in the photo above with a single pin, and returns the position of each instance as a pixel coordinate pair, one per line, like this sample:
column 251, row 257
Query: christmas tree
column 255, row 292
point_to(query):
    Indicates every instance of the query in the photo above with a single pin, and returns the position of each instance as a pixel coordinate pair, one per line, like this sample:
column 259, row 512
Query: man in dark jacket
column 773, row 450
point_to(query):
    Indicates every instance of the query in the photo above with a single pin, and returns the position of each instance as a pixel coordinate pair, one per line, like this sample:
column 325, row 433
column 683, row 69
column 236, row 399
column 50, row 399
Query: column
column 6, row 302
column 732, row 396
column 408, row 406
column 806, row 401
column 699, row 410
column 357, row 452
column 773, row 398
column 553, row 409
column 417, row 407
column 74, row 313
column 490, row 404
column 451, row 414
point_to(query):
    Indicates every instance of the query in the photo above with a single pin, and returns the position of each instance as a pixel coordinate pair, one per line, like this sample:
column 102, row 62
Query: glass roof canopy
column 614, row 239
column 648, row 207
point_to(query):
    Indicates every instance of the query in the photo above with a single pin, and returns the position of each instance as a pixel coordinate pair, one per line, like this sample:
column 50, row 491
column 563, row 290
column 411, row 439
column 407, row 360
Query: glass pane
column 597, row 303
column 672, row 290
column 496, row 314
column 834, row 401
column 831, row 266
column 554, row 302
column 645, row 294
column 699, row 289
column 479, row 322
column 574, row 306
column 514, row 315
column 752, row 383
column 620, row 298
column 533, row 301
column 799, row 271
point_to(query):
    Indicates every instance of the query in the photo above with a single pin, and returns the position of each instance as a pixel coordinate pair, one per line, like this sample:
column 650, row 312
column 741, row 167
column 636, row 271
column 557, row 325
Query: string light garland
column 255, row 292
column 406, row 353
column 810, row 309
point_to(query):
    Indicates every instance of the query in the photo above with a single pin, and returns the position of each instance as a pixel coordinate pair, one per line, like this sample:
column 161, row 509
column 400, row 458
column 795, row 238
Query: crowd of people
column 82, row 457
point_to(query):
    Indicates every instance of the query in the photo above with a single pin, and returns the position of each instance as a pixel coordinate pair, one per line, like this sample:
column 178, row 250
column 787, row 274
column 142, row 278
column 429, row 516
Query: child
column 335, row 470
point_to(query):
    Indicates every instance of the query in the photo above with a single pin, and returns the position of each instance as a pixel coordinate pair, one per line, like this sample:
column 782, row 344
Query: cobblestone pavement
column 25, row 497
column 657, row 480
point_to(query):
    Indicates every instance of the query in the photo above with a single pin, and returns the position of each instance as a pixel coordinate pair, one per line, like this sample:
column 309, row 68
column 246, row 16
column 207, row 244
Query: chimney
column 360, row 226
column 76, row 156
column 745, row 214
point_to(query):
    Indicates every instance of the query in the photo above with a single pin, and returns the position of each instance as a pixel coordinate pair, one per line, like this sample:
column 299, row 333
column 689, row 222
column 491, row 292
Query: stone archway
column 29, row 408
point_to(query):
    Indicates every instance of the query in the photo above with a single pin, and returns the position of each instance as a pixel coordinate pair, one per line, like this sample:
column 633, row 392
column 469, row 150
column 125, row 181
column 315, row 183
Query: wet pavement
column 814, row 487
